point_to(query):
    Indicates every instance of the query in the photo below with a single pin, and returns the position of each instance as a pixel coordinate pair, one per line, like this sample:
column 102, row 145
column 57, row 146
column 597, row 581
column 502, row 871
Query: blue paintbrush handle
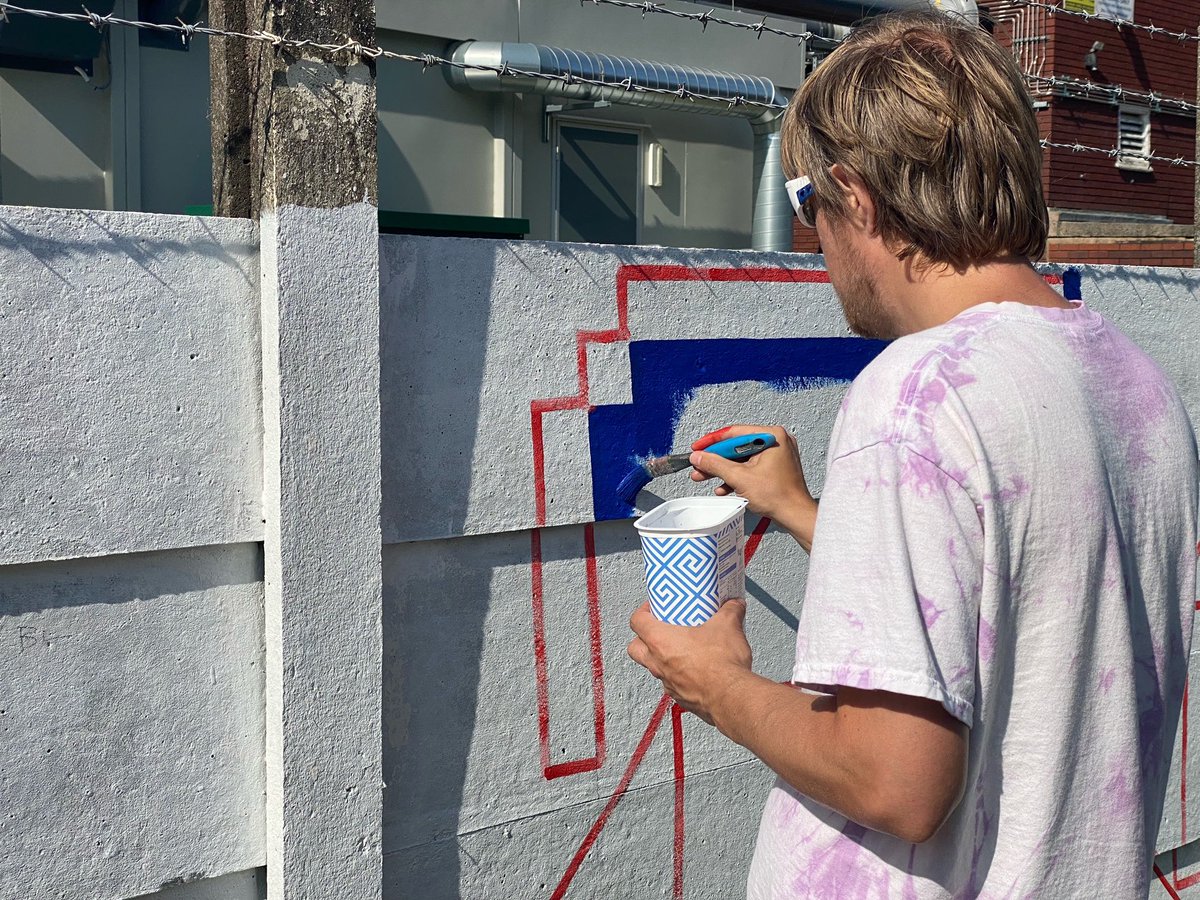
column 743, row 446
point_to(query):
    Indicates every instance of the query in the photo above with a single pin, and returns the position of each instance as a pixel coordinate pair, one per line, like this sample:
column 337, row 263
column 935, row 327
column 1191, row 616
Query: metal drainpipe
column 771, row 227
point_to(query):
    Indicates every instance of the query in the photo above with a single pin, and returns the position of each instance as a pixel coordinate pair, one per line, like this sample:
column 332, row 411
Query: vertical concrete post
column 229, row 111
column 314, row 168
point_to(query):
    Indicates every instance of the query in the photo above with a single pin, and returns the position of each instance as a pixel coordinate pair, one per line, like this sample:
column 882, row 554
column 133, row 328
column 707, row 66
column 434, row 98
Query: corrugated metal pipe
column 771, row 227
column 847, row 12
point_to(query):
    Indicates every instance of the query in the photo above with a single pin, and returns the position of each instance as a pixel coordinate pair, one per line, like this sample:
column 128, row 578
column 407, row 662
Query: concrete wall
column 131, row 617
column 523, row 754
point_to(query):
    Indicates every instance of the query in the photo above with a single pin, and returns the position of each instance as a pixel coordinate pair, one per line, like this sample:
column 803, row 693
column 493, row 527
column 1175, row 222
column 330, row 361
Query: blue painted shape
column 1072, row 284
column 666, row 375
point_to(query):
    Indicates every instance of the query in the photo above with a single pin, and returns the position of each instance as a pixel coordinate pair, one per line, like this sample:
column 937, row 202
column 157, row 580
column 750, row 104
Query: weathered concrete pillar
column 313, row 174
column 229, row 111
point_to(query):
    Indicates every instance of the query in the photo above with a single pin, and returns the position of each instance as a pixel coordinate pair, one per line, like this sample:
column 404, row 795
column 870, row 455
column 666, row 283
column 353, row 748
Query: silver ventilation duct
column 771, row 227
column 848, row 12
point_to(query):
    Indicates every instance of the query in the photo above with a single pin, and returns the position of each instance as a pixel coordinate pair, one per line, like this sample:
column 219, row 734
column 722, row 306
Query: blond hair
column 933, row 115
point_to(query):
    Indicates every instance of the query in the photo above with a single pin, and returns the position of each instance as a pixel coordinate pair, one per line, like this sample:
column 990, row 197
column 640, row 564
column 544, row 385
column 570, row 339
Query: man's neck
column 921, row 299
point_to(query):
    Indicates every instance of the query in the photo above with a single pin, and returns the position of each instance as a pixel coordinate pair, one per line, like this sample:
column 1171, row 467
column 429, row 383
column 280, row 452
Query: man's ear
column 859, row 204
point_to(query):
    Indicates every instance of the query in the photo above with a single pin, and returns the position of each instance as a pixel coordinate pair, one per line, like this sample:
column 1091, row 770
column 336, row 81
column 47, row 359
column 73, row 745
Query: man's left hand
column 697, row 664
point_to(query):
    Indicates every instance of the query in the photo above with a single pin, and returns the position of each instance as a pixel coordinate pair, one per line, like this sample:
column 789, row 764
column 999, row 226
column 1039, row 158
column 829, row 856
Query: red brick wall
column 1135, row 60
column 1127, row 252
column 1092, row 181
column 804, row 240
column 1130, row 58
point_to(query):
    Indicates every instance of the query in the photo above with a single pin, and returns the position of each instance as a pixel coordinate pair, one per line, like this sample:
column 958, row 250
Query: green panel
column 392, row 222
column 464, row 226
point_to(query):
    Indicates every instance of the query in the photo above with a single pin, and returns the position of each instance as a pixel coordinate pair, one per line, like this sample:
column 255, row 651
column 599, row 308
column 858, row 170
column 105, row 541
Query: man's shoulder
column 908, row 384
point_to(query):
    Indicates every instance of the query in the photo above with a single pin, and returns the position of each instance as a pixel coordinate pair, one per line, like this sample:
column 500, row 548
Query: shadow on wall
column 435, row 595
column 399, row 188
column 51, row 248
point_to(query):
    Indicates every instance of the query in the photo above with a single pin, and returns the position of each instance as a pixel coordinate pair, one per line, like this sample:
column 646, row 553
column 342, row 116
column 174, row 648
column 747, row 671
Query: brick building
column 1129, row 209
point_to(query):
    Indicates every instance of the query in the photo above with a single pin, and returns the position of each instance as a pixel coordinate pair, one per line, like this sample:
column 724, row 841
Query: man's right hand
column 772, row 482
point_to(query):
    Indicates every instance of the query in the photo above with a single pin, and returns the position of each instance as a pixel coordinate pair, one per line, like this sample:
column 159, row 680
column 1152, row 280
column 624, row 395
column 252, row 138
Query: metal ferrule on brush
column 666, row 465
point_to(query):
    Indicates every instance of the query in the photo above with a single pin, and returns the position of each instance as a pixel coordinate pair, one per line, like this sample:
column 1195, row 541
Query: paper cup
column 693, row 553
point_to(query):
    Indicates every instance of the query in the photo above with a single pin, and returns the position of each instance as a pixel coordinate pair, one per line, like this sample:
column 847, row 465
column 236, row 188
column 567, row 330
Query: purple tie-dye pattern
column 910, row 884
column 852, row 672
column 1106, row 679
column 845, row 870
column 1124, row 800
column 982, row 833
column 1035, row 602
column 987, row 640
column 930, row 611
column 1135, row 396
column 1017, row 487
column 930, row 380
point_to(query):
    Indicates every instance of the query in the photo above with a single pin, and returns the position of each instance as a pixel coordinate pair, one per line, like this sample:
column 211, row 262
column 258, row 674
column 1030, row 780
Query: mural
column 598, row 356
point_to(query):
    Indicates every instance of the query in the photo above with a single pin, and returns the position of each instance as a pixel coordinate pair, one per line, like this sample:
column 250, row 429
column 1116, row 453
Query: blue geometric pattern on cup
column 681, row 578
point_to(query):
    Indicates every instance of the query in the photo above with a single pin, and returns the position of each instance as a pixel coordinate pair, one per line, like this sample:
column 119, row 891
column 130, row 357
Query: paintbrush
column 735, row 448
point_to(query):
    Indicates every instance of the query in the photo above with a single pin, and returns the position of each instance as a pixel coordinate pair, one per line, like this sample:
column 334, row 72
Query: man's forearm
column 893, row 763
column 797, row 735
column 800, row 521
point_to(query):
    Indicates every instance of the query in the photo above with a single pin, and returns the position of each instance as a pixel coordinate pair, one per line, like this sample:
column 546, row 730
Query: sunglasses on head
column 800, row 192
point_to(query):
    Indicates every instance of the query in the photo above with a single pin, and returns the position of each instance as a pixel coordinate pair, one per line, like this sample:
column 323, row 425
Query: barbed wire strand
column 1115, row 152
column 427, row 60
column 1152, row 29
column 1112, row 92
column 707, row 18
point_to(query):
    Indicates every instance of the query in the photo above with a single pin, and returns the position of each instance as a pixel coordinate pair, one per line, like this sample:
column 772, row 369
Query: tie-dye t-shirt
column 1007, row 526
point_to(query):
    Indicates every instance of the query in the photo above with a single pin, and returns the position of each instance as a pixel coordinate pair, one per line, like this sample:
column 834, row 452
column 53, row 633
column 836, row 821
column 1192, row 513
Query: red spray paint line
column 541, row 674
column 635, row 762
column 1183, row 750
column 756, row 537
column 1181, row 884
column 1166, row 884
column 580, row 400
column 594, row 832
column 677, row 844
column 625, row 275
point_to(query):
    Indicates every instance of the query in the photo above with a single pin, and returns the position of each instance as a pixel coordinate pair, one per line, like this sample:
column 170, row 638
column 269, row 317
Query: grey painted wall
column 480, row 802
column 131, row 596
column 523, row 754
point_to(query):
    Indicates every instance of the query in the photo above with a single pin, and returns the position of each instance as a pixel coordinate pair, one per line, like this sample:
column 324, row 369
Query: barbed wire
column 705, row 18
column 1152, row 29
column 1115, row 152
column 426, row 60
column 1112, row 92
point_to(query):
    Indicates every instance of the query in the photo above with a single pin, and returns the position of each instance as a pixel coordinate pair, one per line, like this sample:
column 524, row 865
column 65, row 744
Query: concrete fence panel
column 129, row 383
column 131, row 596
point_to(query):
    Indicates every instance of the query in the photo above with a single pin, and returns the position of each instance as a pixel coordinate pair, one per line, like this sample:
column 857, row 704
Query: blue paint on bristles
column 737, row 448
column 631, row 485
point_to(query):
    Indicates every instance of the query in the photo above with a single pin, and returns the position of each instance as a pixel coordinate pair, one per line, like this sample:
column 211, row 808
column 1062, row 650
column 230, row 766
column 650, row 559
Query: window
column 1133, row 138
